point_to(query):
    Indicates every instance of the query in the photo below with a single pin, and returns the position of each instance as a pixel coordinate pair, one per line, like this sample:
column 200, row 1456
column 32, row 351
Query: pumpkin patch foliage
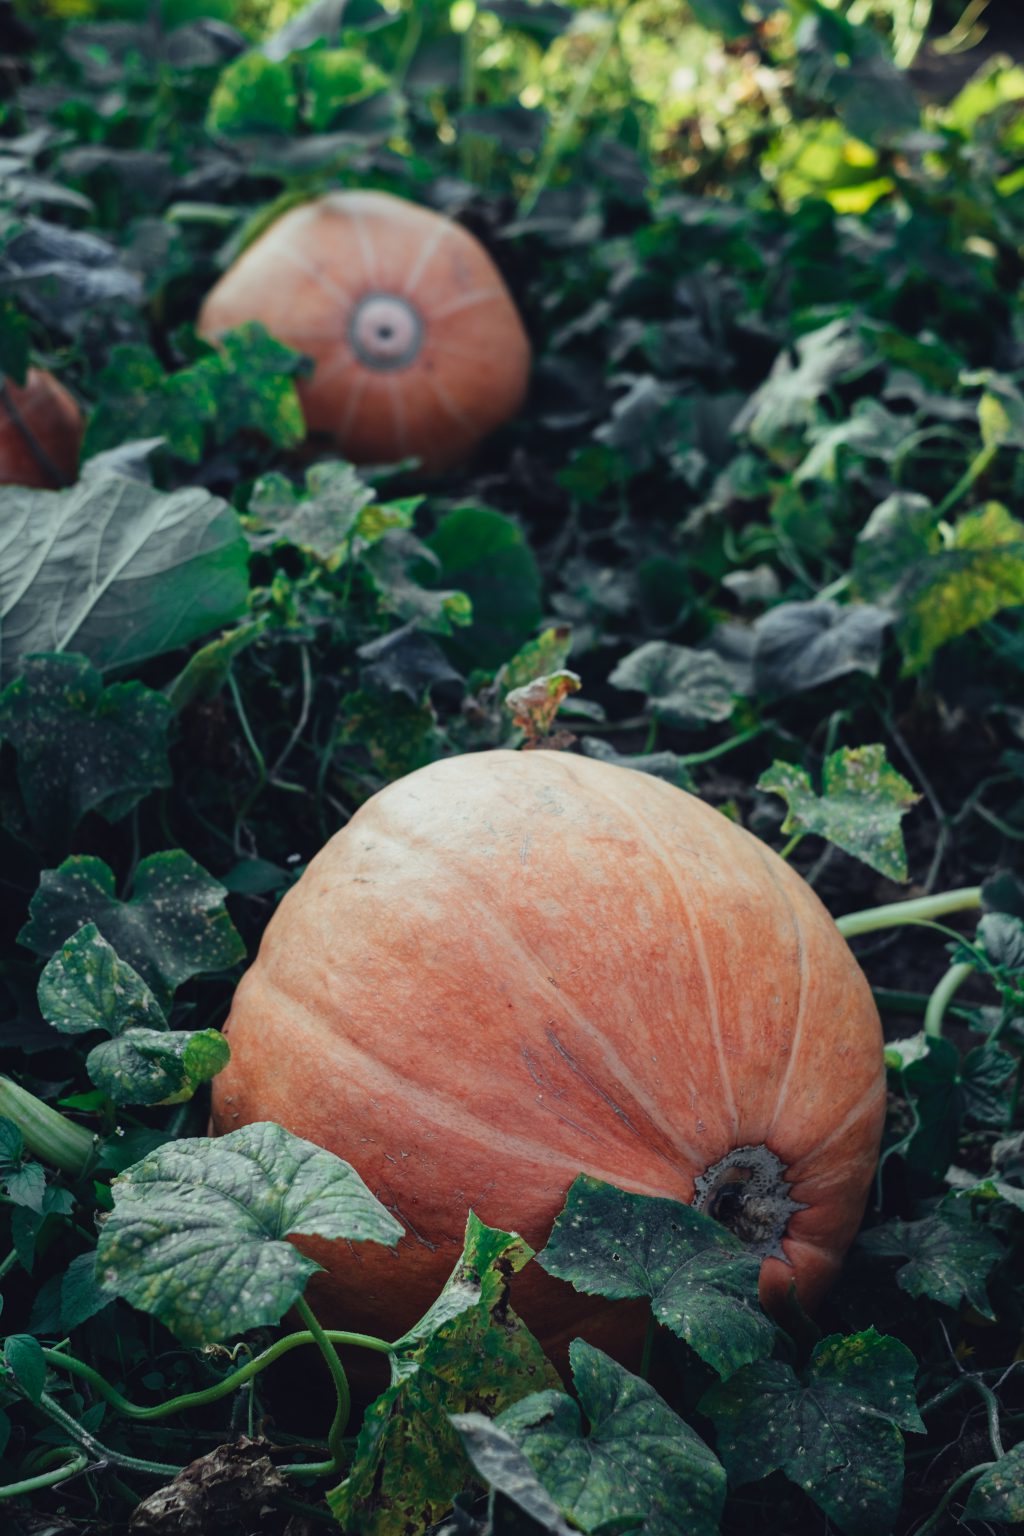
column 612, row 417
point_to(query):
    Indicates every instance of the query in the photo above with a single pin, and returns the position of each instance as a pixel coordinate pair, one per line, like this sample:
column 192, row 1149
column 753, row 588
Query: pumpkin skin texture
column 418, row 347
column 41, row 438
column 512, row 967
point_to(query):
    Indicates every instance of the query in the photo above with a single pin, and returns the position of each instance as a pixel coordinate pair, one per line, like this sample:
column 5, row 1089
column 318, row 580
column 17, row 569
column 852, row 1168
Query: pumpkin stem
column 747, row 1192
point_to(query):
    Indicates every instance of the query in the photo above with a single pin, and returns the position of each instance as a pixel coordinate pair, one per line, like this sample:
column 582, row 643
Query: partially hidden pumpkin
column 509, row 968
column 40, row 432
column 418, row 346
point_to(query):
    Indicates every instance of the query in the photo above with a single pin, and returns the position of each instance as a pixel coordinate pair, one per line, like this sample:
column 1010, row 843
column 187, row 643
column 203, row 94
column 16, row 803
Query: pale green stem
column 943, row 995
column 917, row 910
column 222, row 1388
column 67, row 1469
column 797, row 837
column 974, row 471
column 336, row 1434
column 47, row 1133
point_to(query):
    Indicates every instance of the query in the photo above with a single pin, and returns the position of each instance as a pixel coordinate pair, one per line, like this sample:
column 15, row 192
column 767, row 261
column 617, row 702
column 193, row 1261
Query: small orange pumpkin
column 511, row 967
column 419, row 349
column 40, row 432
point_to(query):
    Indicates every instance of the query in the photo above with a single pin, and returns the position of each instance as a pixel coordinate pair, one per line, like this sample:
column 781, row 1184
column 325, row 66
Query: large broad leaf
column 499, row 1461
column 862, row 804
column 82, row 747
column 640, row 1467
column 155, row 1066
column 683, row 687
column 835, row 1431
column 469, row 1354
column 700, row 1280
column 780, row 413
column 948, row 1255
column 175, row 925
column 484, row 554
column 116, row 570
column 802, row 645
column 198, row 1233
column 941, row 581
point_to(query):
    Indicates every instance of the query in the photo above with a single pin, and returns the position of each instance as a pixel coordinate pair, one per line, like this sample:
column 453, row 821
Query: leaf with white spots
column 835, row 1431
column 948, row 1255
column 174, row 927
column 87, row 986
column 683, row 687
column 198, row 1233
column 999, row 1493
column 863, row 802
column 640, row 1467
column 700, row 1279
column 151, row 1066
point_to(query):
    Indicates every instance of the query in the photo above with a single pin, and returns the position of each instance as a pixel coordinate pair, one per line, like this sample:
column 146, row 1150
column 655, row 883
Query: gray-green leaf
column 150, row 1066
column 174, row 926
column 948, row 1255
column 999, row 1493
column 82, row 747
column 639, row 1468
column 701, row 1281
column 862, row 805
column 198, row 1231
column 835, row 1431
column 86, row 986
column 116, row 570
column 683, row 687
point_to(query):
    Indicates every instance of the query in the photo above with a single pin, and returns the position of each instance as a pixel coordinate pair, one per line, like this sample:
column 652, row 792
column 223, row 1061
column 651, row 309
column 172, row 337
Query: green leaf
column 803, row 645
column 82, row 747
column 834, row 1431
column 943, row 581
column 1001, row 414
column 683, row 687
column 204, row 674
column 151, row 1066
column 470, row 1353
column 639, row 1467
column 399, row 566
column 498, row 1461
column 725, row 16
column 23, row 1357
column 23, row 1180
column 779, row 415
column 700, row 1279
column 398, row 734
column 948, row 1255
column 1002, row 937
column 336, row 79
column 86, row 986
column 81, row 1295
column 322, row 521
column 254, row 95
column 175, row 925
column 929, row 1068
column 137, row 399
column 484, row 554
column 115, row 570
column 534, row 706
column 252, row 374
column 539, row 657
column 999, row 1493
column 863, row 802
column 198, row 1231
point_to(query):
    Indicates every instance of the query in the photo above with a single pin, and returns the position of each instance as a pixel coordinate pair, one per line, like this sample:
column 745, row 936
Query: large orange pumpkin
column 419, row 349
column 511, row 967
column 40, row 432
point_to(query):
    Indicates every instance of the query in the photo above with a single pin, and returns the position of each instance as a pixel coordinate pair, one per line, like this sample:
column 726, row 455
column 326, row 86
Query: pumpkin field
column 511, row 767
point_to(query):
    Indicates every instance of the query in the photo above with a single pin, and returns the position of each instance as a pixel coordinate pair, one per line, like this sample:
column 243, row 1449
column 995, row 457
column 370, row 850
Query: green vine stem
column 222, row 1388
column 897, row 913
column 943, row 995
column 77, row 1463
column 94, row 1450
column 970, row 1476
column 336, row 1433
column 47, row 1133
